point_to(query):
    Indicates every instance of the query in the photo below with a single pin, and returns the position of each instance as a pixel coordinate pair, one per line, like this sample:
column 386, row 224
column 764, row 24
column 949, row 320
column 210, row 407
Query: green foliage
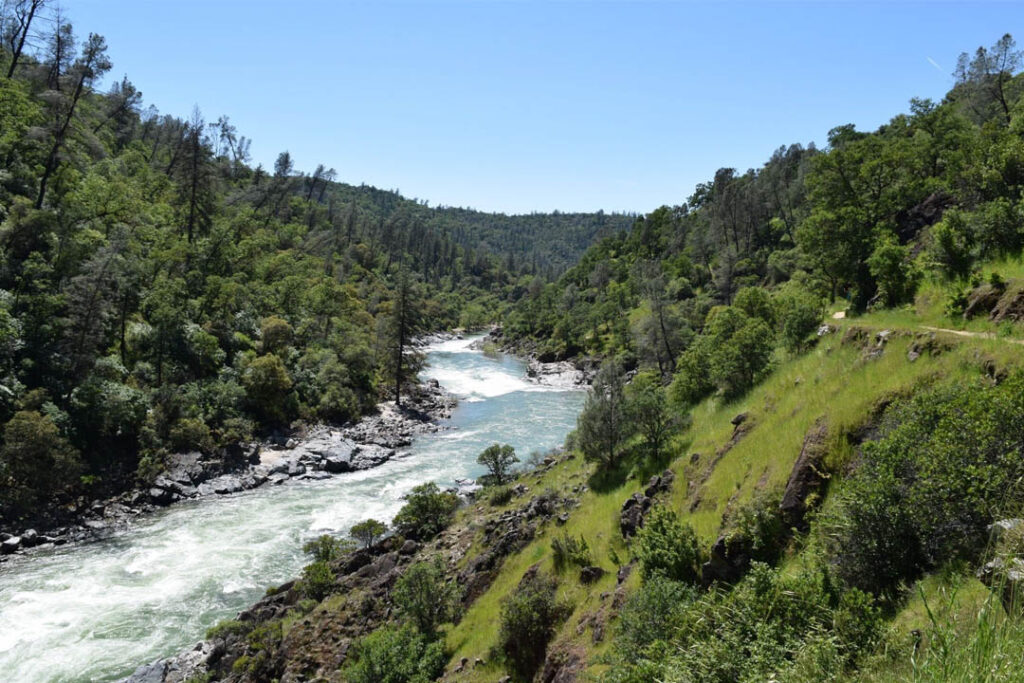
column 427, row 511
column 568, row 550
column 396, row 654
column 529, row 618
column 368, row 531
column 951, row 460
column 326, row 548
column 759, row 524
column 769, row 625
column 891, row 267
column 667, row 547
column 426, row 598
column 36, row 461
column 267, row 386
column 799, row 314
column 500, row 495
column 603, row 425
column 228, row 629
column 649, row 413
column 317, row 580
column 498, row 459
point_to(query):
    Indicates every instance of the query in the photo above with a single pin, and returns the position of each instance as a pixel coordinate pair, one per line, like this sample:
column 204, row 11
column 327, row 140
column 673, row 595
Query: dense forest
column 158, row 292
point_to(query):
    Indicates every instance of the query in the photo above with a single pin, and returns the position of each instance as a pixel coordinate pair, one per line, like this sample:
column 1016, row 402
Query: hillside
column 160, row 294
column 806, row 424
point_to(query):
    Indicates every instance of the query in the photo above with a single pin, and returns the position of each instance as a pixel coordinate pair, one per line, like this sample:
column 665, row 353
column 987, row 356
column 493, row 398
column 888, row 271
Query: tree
column 646, row 408
column 498, row 459
column 892, row 268
column 984, row 78
column 529, row 617
column 401, row 327
column 425, row 598
column 427, row 511
column 368, row 532
column 36, row 461
column 267, row 384
column 16, row 29
column 602, row 426
column 92, row 64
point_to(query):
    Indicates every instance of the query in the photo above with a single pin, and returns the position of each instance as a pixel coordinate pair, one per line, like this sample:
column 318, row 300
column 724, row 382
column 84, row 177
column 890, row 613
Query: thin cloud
column 935, row 64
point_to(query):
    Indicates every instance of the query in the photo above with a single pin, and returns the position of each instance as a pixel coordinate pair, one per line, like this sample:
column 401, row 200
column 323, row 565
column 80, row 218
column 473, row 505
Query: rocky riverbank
column 543, row 369
column 320, row 452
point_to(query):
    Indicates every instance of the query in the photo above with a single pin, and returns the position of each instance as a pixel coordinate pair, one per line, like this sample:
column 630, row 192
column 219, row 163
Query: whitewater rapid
column 96, row 611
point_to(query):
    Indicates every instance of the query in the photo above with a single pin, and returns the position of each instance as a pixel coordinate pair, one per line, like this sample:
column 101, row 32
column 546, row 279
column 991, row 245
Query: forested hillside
column 932, row 193
column 159, row 293
column 800, row 459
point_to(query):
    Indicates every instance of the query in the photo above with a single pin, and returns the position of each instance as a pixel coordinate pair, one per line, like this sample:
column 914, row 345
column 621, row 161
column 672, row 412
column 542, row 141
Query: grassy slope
column 836, row 380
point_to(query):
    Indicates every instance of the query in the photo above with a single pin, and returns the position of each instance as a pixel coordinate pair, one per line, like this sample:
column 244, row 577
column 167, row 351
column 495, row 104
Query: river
column 96, row 611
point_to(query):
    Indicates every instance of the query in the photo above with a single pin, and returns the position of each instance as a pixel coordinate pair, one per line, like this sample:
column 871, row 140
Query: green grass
column 834, row 381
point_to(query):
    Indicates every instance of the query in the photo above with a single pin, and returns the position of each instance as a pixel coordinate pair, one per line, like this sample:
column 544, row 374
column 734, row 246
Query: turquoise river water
column 94, row 612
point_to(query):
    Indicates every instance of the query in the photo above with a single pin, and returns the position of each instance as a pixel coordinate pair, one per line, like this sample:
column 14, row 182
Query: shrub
column 951, row 460
column 760, row 524
column 317, row 580
column 668, row 548
column 227, row 629
column 427, row 511
column 568, row 550
column 798, row 313
column 651, row 614
column 498, row 459
column 425, row 598
column 396, row 654
column 191, row 434
column 326, row 548
column 368, row 532
column 36, row 461
column 500, row 495
column 267, row 385
column 529, row 617
column 648, row 412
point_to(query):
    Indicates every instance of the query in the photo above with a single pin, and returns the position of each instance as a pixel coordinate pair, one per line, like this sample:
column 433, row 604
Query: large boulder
column 631, row 517
column 1006, row 576
column 729, row 561
column 807, row 477
column 11, row 545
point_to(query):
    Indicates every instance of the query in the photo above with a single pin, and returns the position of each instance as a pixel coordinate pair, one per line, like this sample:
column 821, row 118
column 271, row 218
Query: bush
column 500, row 495
column 368, row 531
column 529, row 617
column 191, row 434
column 317, row 580
column 799, row 314
column 668, row 548
column 568, row 550
column 267, row 385
column 227, row 629
column 425, row 598
column 36, row 461
column 951, row 460
column 760, row 524
column 427, row 511
column 498, row 459
column 326, row 548
column 396, row 654
column 769, row 627
column 651, row 614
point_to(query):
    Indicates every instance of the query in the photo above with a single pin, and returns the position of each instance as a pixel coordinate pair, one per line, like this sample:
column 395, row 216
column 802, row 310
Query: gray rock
column 148, row 673
column 30, row 538
column 11, row 545
column 591, row 574
column 161, row 496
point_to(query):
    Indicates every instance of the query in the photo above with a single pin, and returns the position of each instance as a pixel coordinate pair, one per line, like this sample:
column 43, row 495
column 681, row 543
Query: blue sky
column 522, row 106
